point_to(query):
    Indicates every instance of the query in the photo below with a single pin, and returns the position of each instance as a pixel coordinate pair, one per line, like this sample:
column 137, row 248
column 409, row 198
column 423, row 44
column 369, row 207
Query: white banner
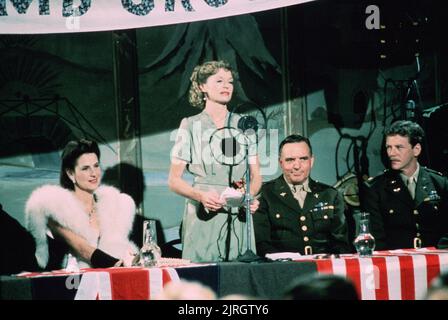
column 58, row 16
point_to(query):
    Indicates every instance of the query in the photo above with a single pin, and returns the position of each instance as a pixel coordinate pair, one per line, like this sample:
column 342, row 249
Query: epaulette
column 434, row 171
column 323, row 186
column 264, row 183
column 371, row 180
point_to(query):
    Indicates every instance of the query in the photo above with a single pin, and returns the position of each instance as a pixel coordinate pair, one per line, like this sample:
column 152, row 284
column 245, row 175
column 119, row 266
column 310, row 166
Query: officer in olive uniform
column 408, row 202
column 296, row 213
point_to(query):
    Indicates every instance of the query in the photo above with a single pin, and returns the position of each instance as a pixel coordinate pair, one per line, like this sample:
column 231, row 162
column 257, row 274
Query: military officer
column 408, row 202
column 296, row 213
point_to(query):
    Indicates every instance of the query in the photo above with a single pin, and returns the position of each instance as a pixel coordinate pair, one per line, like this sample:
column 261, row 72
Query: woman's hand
column 130, row 259
column 254, row 204
column 211, row 201
column 120, row 263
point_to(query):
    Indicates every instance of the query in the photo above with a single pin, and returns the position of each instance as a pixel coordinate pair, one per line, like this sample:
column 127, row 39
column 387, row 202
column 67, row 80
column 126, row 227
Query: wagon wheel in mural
column 348, row 186
column 21, row 74
column 30, row 108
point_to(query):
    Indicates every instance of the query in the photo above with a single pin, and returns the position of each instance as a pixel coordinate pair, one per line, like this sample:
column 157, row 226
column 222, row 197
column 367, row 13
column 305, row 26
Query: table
column 266, row 280
column 389, row 275
column 393, row 275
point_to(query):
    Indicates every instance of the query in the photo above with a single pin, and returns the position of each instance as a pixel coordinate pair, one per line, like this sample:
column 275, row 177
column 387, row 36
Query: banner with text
column 58, row 16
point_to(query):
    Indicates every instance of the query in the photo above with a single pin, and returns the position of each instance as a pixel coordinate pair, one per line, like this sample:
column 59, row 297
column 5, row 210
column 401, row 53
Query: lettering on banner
column 68, row 10
column 169, row 5
column 138, row 8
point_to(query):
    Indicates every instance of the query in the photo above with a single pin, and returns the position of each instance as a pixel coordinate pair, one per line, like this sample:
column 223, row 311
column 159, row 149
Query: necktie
column 299, row 194
column 411, row 186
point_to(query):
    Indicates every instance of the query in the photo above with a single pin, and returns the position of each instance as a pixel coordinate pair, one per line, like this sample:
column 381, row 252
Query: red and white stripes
column 390, row 275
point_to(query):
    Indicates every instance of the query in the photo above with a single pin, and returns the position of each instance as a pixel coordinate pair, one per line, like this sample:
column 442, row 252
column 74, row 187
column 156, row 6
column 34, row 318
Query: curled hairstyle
column 408, row 129
column 200, row 75
column 294, row 138
column 70, row 155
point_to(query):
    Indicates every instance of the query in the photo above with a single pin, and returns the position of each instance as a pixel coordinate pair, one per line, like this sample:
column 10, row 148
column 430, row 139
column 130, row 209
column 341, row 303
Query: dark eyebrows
column 300, row 158
column 96, row 164
column 394, row 145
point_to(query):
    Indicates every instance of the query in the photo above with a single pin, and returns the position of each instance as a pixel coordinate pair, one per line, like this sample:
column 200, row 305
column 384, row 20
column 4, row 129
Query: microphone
column 230, row 147
column 248, row 122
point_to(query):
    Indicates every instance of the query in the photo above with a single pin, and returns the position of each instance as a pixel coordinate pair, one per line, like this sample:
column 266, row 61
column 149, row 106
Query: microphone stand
column 249, row 255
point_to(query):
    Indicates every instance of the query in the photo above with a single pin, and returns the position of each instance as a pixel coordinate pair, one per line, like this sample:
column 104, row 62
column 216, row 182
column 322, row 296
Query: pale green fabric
column 204, row 237
column 411, row 182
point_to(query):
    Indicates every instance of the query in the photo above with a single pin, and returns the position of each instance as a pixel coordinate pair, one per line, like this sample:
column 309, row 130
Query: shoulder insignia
column 373, row 180
column 433, row 171
column 268, row 182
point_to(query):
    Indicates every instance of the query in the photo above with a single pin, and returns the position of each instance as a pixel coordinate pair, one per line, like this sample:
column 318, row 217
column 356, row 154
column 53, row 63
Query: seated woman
column 80, row 217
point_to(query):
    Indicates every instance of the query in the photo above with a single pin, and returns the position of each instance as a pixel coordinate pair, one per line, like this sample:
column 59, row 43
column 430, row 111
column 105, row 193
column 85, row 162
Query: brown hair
column 71, row 153
column 200, row 75
column 295, row 138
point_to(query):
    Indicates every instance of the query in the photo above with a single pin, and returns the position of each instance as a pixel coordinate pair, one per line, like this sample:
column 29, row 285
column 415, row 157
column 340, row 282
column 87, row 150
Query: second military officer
column 408, row 202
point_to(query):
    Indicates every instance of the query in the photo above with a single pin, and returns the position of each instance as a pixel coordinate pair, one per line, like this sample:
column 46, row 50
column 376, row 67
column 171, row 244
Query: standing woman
column 80, row 217
column 211, row 231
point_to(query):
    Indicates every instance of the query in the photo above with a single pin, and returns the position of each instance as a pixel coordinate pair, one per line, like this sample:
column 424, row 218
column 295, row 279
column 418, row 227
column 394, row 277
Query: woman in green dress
column 211, row 230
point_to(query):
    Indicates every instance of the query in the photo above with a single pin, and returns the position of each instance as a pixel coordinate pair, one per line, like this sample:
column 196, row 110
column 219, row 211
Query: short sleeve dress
column 210, row 236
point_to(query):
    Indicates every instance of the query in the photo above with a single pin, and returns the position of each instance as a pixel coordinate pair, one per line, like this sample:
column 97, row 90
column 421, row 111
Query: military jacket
column 281, row 225
column 398, row 221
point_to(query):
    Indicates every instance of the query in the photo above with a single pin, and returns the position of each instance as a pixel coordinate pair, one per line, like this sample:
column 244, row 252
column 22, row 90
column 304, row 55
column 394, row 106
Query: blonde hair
column 200, row 75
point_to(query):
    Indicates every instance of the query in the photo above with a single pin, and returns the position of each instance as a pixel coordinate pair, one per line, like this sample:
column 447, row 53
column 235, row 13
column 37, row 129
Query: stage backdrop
column 59, row 16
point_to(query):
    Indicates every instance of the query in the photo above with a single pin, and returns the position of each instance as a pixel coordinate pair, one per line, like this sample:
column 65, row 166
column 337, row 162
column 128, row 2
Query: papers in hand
column 232, row 197
column 283, row 256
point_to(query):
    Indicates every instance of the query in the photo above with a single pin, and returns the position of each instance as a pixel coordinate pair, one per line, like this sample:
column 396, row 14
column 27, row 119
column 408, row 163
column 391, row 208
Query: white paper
column 232, row 197
column 283, row 255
